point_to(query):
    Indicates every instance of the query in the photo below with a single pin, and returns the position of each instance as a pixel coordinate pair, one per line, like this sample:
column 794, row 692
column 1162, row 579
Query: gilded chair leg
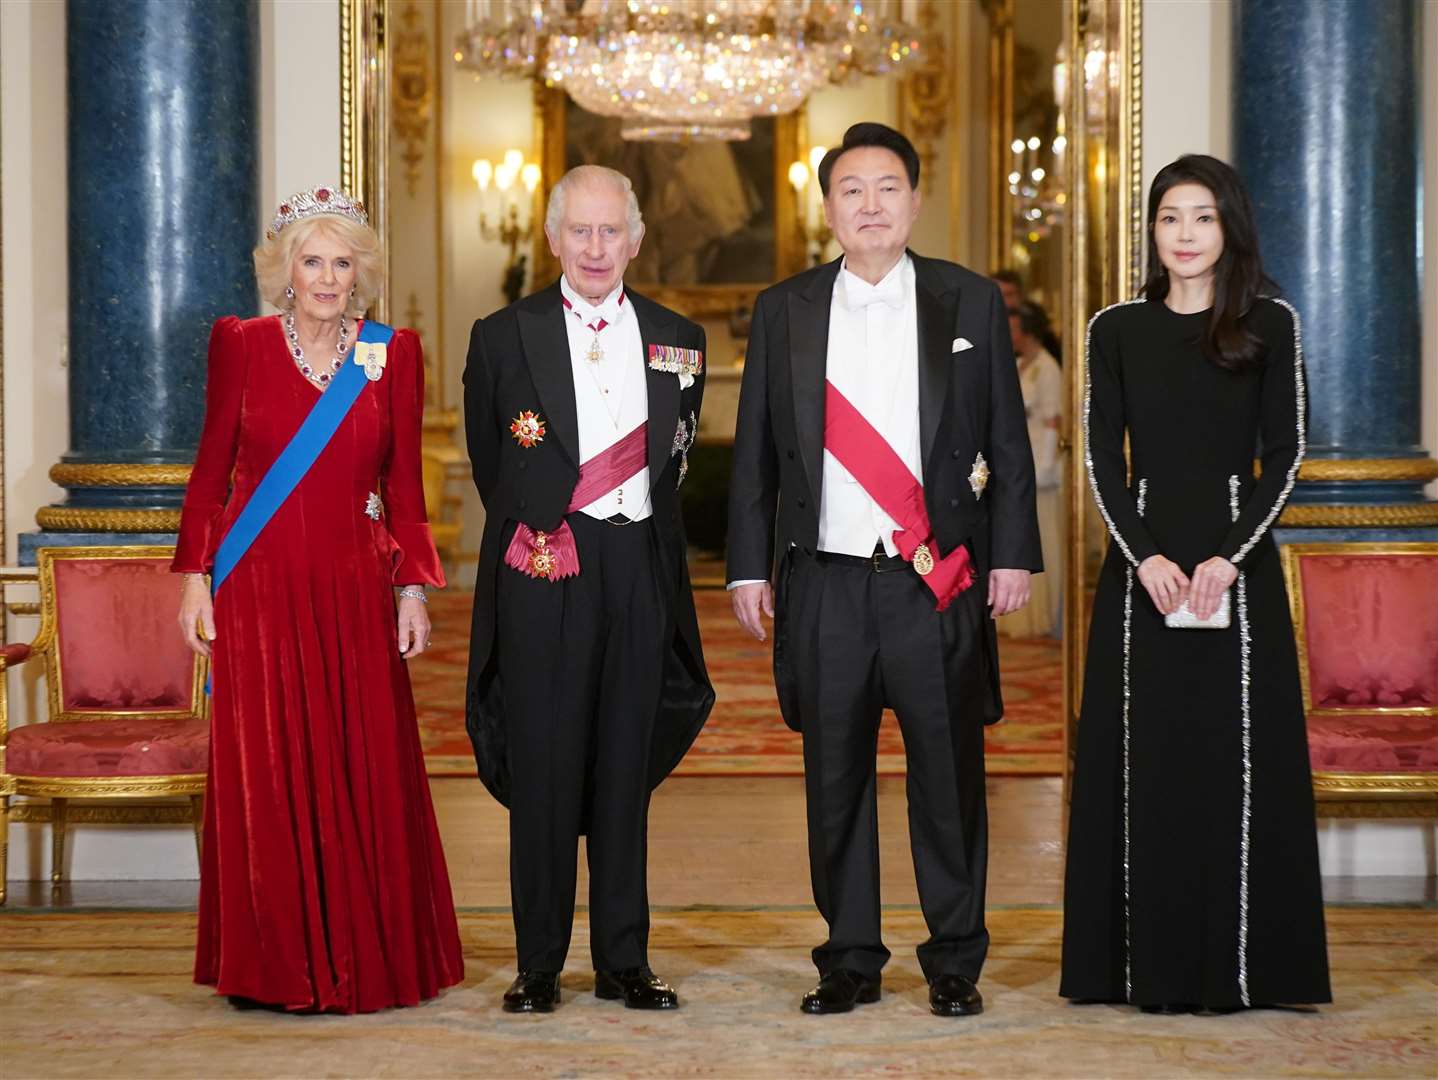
column 4, row 843
column 197, row 809
column 57, row 841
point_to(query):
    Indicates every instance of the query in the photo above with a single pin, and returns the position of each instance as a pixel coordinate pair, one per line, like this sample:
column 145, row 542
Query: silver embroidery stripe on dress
column 1087, row 442
column 1245, row 820
column 1127, row 653
column 1302, row 395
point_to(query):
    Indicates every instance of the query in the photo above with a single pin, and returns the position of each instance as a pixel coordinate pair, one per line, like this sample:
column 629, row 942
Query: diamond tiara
column 318, row 200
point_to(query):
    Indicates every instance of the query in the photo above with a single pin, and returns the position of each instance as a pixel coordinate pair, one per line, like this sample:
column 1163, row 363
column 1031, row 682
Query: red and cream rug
column 745, row 735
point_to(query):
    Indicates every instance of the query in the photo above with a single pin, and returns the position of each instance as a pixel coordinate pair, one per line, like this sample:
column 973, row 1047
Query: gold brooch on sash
column 370, row 355
column 542, row 562
column 527, row 429
column 979, row 478
column 923, row 560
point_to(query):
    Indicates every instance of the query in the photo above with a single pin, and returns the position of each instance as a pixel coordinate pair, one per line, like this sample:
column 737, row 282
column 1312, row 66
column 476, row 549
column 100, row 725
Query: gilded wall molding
column 925, row 92
column 412, row 86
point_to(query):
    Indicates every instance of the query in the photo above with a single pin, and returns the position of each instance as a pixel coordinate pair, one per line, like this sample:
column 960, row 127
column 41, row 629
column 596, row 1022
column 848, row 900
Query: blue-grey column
column 162, row 142
column 1325, row 96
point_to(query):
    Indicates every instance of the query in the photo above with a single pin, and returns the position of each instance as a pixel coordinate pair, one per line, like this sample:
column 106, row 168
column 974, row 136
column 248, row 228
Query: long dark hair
column 1238, row 277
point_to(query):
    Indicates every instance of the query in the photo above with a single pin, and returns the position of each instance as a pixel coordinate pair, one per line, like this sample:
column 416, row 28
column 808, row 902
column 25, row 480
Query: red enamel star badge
column 527, row 429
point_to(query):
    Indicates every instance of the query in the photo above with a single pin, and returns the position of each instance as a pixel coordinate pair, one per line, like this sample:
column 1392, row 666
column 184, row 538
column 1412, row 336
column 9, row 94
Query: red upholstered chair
column 1366, row 620
column 127, row 714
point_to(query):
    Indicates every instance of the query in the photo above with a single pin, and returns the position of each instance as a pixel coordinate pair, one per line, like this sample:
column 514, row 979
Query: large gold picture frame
column 701, row 300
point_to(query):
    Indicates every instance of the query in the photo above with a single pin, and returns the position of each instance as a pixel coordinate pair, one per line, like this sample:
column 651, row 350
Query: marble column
column 1326, row 130
column 163, row 186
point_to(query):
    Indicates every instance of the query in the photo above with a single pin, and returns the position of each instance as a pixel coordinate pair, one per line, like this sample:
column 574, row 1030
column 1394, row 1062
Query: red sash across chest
column 553, row 555
column 887, row 480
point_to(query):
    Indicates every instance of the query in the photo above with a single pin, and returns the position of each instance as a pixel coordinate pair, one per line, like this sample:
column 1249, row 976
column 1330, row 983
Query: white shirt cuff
column 747, row 581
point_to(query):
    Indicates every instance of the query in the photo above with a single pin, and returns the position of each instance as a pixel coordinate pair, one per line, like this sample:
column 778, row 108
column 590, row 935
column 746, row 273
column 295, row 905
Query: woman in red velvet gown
column 323, row 884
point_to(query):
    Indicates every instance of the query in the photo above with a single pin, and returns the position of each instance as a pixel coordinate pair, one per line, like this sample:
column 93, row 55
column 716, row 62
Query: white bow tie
column 858, row 294
column 610, row 310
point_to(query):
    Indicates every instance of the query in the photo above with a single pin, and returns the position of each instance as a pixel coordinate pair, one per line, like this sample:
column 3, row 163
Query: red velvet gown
column 323, row 884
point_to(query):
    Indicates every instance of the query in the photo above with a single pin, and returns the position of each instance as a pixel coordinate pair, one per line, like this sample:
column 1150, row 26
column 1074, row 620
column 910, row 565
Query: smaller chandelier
column 687, row 69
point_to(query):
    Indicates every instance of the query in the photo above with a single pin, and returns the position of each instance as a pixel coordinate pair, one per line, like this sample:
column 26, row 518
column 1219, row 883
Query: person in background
column 1011, row 287
column 1043, row 388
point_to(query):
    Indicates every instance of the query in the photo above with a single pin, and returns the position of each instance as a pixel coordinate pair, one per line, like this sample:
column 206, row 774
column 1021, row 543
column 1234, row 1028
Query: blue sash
column 295, row 459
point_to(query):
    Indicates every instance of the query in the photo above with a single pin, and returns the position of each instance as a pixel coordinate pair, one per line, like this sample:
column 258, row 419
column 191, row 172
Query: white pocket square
column 961, row 343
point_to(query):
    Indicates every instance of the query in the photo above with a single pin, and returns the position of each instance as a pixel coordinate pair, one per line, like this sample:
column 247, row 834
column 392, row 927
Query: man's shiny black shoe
column 839, row 991
column 954, row 995
column 532, row 991
column 639, row 987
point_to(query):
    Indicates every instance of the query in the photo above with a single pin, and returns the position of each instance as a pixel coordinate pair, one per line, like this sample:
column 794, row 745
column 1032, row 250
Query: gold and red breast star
column 527, row 429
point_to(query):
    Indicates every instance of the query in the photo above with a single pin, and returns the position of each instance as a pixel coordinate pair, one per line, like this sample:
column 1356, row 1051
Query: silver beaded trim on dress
column 1302, row 393
column 1127, row 694
column 1087, row 442
column 1246, row 818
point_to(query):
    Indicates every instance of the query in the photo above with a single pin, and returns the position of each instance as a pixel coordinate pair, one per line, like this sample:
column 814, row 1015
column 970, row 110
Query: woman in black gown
column 1192, row 878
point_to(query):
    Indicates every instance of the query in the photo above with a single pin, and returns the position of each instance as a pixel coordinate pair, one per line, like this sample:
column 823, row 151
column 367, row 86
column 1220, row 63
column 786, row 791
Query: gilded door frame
column 364, row 118
column 1104, row 258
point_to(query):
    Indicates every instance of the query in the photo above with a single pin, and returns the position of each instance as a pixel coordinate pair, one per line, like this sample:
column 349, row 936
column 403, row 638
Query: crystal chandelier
column 686, row 69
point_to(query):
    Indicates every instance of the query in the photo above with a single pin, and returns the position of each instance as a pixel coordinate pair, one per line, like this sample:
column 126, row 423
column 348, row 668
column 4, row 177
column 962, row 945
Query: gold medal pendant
column 542, row 562
column 923, row 560
column 595, row 353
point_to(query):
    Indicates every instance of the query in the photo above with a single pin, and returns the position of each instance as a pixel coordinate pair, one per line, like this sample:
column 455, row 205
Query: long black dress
column 1192, row 859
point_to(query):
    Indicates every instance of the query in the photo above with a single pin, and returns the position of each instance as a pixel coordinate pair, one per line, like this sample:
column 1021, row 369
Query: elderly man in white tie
column 586, row 676
column 882, row 513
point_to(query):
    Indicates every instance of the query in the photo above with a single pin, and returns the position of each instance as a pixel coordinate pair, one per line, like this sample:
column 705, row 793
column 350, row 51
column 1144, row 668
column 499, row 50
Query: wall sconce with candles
column 499, row 191
column 814, row 231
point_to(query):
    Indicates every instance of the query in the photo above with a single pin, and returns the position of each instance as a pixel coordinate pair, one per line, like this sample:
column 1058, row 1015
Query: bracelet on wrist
column 415, row 592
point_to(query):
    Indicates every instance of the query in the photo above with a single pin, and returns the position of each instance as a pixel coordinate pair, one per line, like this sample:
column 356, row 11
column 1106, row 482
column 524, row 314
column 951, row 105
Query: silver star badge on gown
column 979, row 477
column 373, row 506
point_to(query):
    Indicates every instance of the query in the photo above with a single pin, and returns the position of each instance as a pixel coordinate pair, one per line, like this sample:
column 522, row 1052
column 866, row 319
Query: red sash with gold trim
column 553, row 555
column 887, row 480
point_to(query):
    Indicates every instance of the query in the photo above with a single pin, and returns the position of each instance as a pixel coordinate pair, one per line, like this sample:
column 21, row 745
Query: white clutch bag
column 1183, row 619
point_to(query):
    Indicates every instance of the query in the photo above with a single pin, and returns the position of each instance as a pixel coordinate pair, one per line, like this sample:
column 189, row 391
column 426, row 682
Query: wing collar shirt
column 611, row 394
column 873, row 361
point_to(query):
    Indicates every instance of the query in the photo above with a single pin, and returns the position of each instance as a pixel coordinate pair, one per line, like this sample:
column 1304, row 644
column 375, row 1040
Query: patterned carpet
column 109, row 994
column 745, row 735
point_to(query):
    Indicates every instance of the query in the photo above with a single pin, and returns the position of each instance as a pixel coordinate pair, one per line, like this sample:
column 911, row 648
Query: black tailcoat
column 519, row 361
column 969, row 403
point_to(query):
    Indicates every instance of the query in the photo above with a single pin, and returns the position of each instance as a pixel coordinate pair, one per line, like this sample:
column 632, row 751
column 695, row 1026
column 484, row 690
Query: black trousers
column 580, row 661
column 862, row 641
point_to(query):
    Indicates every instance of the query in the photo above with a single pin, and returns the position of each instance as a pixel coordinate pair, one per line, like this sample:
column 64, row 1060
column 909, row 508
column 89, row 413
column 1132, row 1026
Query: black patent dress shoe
column 639, row 987
column 954, row 995
column 839, row 991
column 532, row 991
